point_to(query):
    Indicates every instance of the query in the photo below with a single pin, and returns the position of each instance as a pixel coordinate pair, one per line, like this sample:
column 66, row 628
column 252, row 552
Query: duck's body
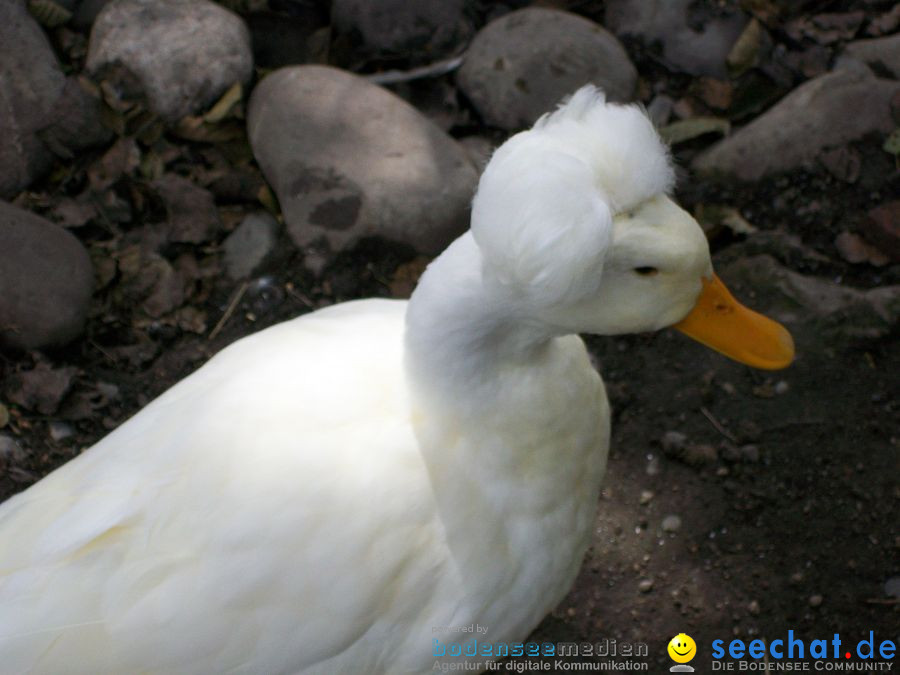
column 318, row 545
column 336, row 493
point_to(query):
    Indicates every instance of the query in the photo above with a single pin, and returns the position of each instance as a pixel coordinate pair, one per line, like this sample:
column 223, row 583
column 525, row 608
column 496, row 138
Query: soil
column 785, row 484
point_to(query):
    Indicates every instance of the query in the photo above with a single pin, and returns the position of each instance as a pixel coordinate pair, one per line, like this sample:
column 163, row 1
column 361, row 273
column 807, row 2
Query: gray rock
column 673, row 442
column 697, row 52
column 46, row 280
column 827, row 111
column 76, row 123
column 10, row 451
column 882, row 227
column 660, row 109
column 31, row 83
column 390, row 27
column 521, row 65
column 185, row 53
column 750, row 453
column 878, row 53
column 349, row 159
column 250, row 244
column 815, row 309
column 892, row 587
column 671, row 523
column 60, row 431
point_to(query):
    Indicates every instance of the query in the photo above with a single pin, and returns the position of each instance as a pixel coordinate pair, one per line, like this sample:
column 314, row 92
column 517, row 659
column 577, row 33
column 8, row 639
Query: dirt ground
column 783, row 486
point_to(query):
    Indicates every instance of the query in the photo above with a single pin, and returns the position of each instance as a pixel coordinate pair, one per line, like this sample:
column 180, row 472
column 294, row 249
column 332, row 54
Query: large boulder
column 31, row 82
column 427, row 28
column 827, row 111
column 185, row 53
column 521, row 65
column 349, row 159
column 46, row 280
column 686, row 47
column 816, row 310
column 879, row 53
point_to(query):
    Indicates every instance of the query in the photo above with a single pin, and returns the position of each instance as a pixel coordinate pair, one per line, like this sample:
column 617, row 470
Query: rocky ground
column 180, row 174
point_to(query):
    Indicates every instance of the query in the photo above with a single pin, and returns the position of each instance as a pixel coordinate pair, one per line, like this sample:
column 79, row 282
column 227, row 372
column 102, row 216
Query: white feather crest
column 619, row 141
column 543, row 212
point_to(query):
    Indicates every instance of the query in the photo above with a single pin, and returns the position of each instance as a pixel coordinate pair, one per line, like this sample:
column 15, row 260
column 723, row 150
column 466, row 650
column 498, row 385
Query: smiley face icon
column 682, row 648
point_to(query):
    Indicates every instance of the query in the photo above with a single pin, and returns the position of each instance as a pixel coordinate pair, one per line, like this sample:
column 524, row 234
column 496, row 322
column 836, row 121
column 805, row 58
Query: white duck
column 322, row 495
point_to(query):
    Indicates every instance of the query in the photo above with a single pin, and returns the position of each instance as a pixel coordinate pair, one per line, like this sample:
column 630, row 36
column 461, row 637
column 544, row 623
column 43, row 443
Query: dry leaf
column 267, row 199
column 225, row 105
column 193, row 128
column 745, row 52
column 685, row 130
column 854, row 249
column 120, row 160
column 713, row 217
column 73, row 213
column 48, row 13
column 42, row 388
column 407, row 276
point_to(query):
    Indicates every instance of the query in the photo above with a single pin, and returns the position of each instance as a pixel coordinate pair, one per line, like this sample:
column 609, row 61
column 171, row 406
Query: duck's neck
column 461, row 333
column 511, row 424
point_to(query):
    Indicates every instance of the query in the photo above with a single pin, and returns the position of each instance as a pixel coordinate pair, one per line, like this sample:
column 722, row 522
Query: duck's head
column 577, row 231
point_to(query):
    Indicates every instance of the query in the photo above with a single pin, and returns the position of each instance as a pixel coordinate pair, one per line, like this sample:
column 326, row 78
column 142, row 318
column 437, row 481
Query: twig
column 794, row 423
column 435, row 69
column 882, row 601
column 229, row 311
column 712, row 420
column 102, row 351
column 300, row 296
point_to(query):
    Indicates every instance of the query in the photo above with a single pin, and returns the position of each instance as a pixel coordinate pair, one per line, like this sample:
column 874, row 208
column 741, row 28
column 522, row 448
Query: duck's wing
column 274, row 499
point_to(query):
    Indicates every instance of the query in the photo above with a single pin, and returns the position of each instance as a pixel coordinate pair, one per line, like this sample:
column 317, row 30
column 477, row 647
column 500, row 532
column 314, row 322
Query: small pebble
column 699, row 454
column 264, row 295
column 10, row 450
column 110, row 391
column 673, row 442
column 892, row 587
column 645, row 586
column 60, row 431
column 671, row 523
column 750, row 453
column 250, row 244
column 753, row 607
column 815, row 600
column 731, row 453
column 781, row 387
column 646, row 497
column 660, row 109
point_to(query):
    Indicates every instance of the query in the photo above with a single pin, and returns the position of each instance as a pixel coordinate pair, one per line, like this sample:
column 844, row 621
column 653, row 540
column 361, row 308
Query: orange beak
column 722, row 323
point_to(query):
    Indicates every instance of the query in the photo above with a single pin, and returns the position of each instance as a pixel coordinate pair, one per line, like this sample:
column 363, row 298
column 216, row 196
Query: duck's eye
column 646, row 271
